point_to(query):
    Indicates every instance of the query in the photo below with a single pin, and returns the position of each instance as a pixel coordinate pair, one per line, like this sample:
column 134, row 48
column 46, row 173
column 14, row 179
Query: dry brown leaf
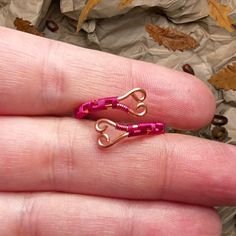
column 219, row 13
column 225, row 78
column 85, row 11
column 26, row 26
column 124, row 3
column 171, row 38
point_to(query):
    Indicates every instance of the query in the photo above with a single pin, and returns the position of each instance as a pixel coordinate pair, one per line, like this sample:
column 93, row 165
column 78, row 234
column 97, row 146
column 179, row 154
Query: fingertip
column 203, row 104
column 213, row 222
column 179, row 99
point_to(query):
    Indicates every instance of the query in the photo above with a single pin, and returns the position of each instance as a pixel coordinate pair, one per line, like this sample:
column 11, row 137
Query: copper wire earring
column 130, row 130
column 139, row 95
column 104, row 140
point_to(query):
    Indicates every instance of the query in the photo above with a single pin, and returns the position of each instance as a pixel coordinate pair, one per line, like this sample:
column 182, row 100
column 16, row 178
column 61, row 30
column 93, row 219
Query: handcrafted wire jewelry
column 105, row 141
column 139, row 95
column 129, row 130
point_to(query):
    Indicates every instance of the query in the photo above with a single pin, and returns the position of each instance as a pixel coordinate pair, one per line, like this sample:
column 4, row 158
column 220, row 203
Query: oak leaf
column 171, row 38
column 26, row 26
column 219, row 13
column 124, row 3
column 225, row 78
column 85, row 11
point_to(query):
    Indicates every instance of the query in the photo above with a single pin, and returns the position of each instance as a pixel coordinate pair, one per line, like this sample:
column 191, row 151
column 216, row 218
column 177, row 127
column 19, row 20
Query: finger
column 61, row 214
column 62, row 155
column 41, row 76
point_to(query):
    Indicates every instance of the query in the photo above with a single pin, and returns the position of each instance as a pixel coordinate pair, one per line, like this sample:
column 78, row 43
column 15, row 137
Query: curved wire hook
column 140, row 106
column 134, row 94
column 104, row 139
column 141, row 109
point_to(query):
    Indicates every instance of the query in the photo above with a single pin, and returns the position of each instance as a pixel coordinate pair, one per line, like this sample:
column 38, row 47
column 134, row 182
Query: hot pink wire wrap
column 142, row 129
column 98, row 105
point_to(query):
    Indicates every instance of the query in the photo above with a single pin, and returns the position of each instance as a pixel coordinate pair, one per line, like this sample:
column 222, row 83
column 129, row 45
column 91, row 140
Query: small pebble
column 51, row 25
column 219, row 133
column 219, row 120
column 188, row 69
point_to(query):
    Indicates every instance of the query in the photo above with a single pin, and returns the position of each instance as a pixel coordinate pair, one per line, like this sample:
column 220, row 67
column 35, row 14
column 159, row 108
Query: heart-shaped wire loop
column 104, row 139
column 139, row 95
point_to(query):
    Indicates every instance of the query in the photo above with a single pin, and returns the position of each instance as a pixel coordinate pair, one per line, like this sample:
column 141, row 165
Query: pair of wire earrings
column 129, row 130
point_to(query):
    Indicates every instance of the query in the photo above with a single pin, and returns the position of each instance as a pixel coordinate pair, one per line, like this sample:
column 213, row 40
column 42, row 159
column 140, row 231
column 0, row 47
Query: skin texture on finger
column 62, row 155
column 42, row 77
column 63, row 215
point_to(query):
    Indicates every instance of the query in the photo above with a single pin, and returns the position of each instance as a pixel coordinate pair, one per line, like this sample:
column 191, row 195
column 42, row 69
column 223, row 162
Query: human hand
column 54, row 180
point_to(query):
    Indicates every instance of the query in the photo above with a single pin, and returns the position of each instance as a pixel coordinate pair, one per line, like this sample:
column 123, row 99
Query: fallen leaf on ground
column 219, row 13
column 26, row 26
column 171, row 38
column 225, row 78
column 85, row 11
